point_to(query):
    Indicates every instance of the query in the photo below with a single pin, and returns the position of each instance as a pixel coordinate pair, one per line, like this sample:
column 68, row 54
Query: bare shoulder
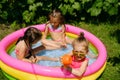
column 21, row 45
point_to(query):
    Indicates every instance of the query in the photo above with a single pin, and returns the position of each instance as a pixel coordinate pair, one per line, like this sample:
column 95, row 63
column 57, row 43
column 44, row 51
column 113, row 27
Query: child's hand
column 68, row 68
column 34, row 60
column 64, row 45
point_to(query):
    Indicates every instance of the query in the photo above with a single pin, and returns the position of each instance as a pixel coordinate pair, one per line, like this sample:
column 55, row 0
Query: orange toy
column 66, row 59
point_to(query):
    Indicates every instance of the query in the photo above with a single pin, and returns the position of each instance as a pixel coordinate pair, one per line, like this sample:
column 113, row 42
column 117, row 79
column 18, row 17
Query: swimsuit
column 76, row 64
column 29, row 54
column 59, row 29
column 51, row 29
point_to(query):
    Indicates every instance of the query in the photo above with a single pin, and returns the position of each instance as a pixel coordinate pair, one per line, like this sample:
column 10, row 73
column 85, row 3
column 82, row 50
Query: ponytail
column 81, row 37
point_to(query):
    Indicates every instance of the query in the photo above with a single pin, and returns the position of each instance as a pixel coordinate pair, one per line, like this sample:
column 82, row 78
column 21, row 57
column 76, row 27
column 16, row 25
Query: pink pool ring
column 37, row 72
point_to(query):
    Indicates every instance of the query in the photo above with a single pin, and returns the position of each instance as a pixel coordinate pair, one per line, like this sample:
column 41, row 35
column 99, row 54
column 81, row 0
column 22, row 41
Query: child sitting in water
column 79, row 61
column 24, row 49
column 56, row 28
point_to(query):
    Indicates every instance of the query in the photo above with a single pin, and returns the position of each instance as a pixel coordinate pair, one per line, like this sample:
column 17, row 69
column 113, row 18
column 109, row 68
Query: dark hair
column 56, row 13
column 31, row 34
column 81, row 37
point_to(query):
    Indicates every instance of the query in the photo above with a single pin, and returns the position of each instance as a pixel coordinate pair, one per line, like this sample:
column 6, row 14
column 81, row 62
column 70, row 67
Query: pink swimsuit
column 28, row 54
column 59, row 29
column 51, row 29
column 16, row 51
column 77, row 64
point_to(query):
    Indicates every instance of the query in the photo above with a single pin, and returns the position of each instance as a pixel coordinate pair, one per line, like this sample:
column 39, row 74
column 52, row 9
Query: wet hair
column 31, row 34
column 56, row 13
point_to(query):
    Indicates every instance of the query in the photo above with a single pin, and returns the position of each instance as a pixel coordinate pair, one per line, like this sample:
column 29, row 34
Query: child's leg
column 50, row 44
column 47, row 58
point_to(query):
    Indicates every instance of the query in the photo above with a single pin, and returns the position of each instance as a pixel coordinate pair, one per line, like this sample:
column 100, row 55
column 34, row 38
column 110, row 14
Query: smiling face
column 80, row 49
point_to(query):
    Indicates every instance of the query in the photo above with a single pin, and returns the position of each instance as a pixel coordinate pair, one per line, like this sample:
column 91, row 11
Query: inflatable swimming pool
column 15, row 69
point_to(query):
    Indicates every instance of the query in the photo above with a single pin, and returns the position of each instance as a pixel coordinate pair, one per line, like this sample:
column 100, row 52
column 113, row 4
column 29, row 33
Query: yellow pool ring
column 28, row 76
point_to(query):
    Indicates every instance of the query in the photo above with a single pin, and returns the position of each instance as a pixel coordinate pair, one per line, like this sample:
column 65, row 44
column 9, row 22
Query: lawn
column 108, row 33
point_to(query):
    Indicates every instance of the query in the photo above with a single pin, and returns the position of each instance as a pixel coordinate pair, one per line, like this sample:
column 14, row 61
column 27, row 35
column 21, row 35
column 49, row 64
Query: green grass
column 109, row 34
column 2, row 77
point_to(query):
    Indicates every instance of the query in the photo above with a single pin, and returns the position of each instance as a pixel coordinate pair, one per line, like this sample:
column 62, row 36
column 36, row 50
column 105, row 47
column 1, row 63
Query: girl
column 79, row 60
column 24, row 49
column 56, row 28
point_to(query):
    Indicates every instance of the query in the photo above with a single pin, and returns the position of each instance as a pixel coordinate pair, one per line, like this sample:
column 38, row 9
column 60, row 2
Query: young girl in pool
column 24, row 49
column 79, row 61
column 56, row 28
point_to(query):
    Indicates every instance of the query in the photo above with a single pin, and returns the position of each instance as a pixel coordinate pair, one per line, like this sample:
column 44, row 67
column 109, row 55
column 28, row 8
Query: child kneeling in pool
column 79, row 61
column 24, row 49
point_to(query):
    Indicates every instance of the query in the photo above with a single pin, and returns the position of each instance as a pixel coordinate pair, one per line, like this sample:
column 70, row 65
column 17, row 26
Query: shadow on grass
column 117, row 35
column 101, row 76
column 114, row 60
column 2, row 76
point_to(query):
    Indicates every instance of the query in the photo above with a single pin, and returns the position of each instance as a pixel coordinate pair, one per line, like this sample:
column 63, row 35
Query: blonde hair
column 81, row 39
column 57, row 14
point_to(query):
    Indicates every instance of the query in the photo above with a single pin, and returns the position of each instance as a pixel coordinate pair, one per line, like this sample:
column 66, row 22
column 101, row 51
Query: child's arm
column 80, row 71
column 64, row 35
column 27, row 60
column 47, row 58
column 92, row 55
column 37, row 49
column 45, row 32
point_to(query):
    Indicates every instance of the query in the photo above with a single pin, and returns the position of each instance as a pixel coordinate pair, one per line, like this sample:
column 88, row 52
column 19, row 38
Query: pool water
column 54, row 53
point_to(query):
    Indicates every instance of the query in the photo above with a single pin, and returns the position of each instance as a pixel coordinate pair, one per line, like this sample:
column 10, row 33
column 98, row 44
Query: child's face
column 79, row 55
column 79, row 50
column 55, row 22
